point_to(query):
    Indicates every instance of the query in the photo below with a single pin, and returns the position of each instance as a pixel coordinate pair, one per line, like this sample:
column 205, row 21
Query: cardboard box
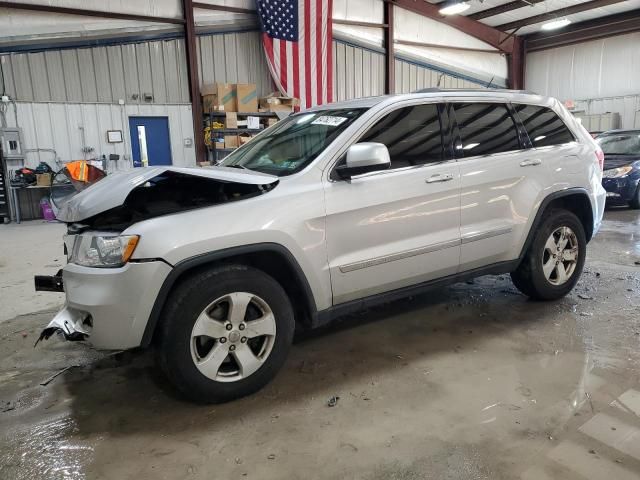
column 219, row 144
column 245, row 137
column 209, row 98
column 274, row 102
column 204, row 164
column 271, row 121
column 226, row 96
column 43, row 179
column 210, row 103
column 231, row 120
column 247, row 97
column 218, row 97
column 231, row 141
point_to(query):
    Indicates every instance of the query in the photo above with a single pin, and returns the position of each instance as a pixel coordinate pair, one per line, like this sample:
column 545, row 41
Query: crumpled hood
column 113, row 190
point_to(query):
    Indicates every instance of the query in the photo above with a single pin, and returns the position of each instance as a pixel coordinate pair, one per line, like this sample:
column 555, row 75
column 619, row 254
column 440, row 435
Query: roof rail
column 473, row 90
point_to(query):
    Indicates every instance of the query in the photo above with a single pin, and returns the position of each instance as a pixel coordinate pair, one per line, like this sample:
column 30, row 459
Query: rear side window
column 412, row 135
column 543, row 125
column 485, row 128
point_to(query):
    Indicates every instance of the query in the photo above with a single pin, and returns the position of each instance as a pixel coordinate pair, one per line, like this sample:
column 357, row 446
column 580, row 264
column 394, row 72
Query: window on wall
column 485, row 128
column 412, row 135
column 543, row 125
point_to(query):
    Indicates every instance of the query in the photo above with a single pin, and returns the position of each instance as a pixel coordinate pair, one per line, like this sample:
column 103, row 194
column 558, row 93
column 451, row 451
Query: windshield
column 620, row 144
column 293, row 143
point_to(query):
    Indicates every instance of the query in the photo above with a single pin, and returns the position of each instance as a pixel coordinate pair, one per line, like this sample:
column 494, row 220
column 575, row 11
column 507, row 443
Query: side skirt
column 326, row 316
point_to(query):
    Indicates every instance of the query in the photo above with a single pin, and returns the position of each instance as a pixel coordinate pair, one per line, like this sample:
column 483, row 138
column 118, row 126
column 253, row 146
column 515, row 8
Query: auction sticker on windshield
column 329, row 121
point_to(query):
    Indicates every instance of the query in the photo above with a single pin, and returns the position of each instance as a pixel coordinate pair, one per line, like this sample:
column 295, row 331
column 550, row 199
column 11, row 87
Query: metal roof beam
column 493, row 36
column 507, row 7
column 562, row 12
column 88, row 13
column 609, row 26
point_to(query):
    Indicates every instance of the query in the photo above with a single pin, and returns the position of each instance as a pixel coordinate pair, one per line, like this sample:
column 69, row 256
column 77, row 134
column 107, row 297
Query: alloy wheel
column 233, row 337
column 560, row 256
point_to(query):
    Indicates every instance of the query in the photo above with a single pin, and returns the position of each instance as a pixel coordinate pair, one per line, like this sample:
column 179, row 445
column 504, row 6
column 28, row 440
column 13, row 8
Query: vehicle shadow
column 125, row 394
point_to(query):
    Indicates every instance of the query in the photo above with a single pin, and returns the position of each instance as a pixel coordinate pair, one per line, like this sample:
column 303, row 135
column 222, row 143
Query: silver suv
column 332, row 210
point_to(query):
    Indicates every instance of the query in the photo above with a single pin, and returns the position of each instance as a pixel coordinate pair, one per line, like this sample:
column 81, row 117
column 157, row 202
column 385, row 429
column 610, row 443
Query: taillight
column 600, row 158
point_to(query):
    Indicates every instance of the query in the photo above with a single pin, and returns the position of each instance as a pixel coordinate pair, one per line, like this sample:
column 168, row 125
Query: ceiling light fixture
column 453, row 8
column 555, row 24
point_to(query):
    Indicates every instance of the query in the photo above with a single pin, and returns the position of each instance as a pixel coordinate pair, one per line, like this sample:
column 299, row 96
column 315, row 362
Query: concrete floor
column 469, row 382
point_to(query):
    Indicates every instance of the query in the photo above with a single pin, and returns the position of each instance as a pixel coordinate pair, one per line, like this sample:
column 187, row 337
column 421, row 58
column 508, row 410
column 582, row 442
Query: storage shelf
column 236, row 130
column 243, row 114
column 224, row 149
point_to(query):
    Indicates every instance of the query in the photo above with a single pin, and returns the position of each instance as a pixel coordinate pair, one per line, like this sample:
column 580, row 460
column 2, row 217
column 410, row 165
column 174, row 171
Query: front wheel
column 225, row 333
column 554, row 261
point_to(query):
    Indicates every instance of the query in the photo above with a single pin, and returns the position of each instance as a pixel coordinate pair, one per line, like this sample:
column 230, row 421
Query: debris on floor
column 333, row 401
column 51, row 378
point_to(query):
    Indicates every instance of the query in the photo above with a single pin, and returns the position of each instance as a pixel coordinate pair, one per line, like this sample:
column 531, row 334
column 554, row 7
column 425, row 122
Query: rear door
column 391, row 229
column 501, row 179
column 551, row 139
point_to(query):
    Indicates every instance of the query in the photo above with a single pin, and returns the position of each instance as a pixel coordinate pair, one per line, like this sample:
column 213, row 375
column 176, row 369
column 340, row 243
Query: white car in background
column 332, row 210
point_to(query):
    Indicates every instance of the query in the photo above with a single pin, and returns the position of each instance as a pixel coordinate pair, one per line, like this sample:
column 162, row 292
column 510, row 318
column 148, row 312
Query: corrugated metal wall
column 357, row 72
column 57, row 126
column 234, row 58
column 60, row 90
column 627, row 106
column 411, row 77
column 100, row 74
column 131, row 71
column 599, row 76
column 158, row 68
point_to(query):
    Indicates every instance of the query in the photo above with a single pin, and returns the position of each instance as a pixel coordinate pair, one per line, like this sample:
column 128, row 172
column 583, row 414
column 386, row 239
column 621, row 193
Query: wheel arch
column 272, row 258
column 575, row 200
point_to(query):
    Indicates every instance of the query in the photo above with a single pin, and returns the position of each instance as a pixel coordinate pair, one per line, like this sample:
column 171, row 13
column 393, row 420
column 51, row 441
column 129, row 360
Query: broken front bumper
column 109, row 307
column 72, row 324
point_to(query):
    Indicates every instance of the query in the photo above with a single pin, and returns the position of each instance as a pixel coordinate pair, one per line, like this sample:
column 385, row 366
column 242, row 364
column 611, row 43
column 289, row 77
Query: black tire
column 529, row 277
column 635, row 201
column 188, row 301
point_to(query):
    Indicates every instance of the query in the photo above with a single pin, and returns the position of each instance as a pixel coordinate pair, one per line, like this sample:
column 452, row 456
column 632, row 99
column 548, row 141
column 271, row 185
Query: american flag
column 297, row 39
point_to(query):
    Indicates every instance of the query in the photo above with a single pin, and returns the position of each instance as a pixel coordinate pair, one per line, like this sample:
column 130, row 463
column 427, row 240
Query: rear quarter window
column 544, row 126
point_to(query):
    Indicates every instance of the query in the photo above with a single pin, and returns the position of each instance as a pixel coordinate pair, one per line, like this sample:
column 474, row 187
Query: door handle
column 530, row 163
column 440, row 177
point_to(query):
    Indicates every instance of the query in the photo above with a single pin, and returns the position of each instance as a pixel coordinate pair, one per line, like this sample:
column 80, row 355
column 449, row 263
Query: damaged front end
column 122, row 199
column 102, row 281
column 72, row 324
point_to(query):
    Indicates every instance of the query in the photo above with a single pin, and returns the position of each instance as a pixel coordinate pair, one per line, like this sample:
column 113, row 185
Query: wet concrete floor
column 469, row 382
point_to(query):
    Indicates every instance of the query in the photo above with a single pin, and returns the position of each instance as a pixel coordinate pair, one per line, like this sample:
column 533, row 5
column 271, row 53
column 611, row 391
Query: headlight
column 103, row 250
column 617, row 172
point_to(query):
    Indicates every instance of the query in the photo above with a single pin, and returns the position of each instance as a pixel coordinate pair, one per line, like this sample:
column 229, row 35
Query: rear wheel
column 225, row 333
column 554, row 261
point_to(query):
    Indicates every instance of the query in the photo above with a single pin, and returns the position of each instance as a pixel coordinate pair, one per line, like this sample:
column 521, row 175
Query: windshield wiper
column 236, row 165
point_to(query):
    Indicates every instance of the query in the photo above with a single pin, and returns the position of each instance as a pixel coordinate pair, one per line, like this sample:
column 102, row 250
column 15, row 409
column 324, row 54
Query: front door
column 150, row 144
column 391, row 229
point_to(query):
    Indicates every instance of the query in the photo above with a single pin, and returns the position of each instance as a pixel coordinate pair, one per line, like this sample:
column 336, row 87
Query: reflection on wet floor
column 469, row 382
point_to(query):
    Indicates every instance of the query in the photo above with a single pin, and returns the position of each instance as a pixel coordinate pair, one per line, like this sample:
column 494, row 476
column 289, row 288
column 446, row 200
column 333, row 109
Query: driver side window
column 412, row 135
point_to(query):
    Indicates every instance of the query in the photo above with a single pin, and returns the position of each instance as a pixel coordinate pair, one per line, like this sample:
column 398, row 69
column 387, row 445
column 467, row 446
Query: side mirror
column 364, row 157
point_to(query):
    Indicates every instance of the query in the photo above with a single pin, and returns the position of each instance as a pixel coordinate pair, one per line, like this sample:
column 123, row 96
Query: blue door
column 150, row 143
